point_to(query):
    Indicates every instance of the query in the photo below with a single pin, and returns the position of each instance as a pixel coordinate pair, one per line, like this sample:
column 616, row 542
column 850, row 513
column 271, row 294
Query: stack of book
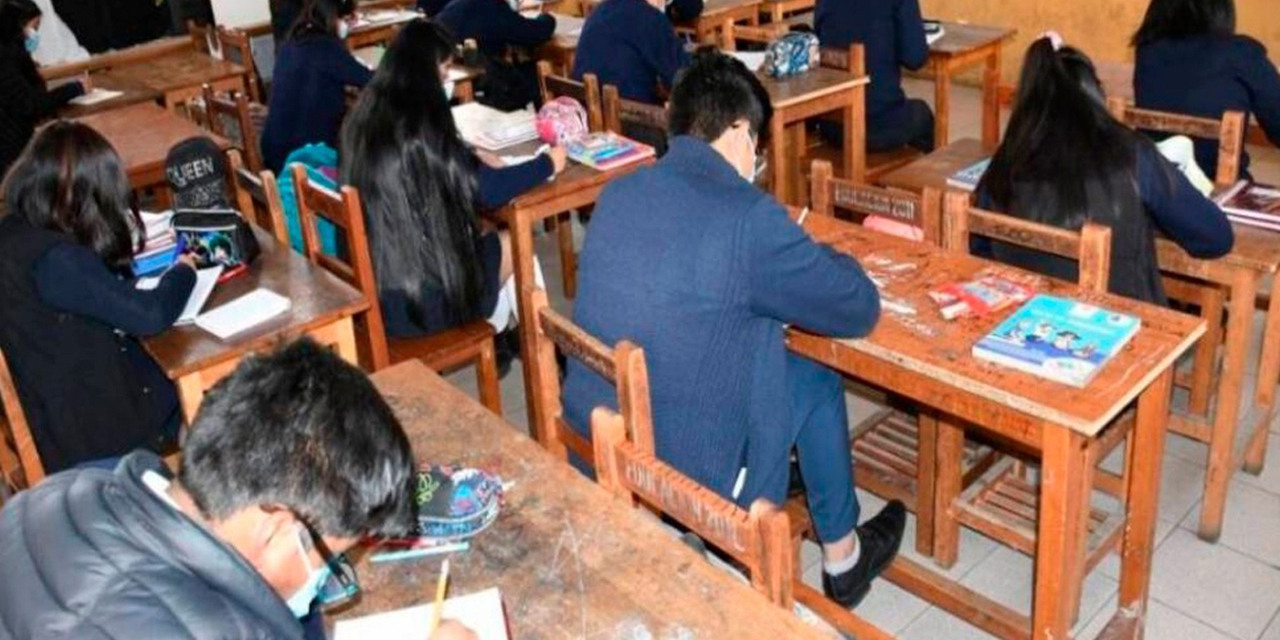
column 1252, row 204
column 160, row 246
column 488, row 128
column 605, row 151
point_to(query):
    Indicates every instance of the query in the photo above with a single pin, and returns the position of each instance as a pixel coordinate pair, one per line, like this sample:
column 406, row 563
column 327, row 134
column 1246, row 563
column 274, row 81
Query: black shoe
column 506, row 346
column 795, row 484
column 878, row 540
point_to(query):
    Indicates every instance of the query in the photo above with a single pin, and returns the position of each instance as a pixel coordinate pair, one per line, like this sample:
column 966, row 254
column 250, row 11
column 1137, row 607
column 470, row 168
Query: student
column 283, row 14
column 422, row 190
column 68, row 317
column 24, row 100
column 704, row 271
column 893, row 33
column 631, row 45
column 505, row 38
column 431, row 8
column 308, row 88
column 1190, row 60
column 684, row 10
column 291, row 460
column 1065, row 160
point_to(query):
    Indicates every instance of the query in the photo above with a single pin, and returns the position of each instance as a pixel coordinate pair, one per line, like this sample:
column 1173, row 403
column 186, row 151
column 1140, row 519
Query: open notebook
column 243, row 313
column 481, row 612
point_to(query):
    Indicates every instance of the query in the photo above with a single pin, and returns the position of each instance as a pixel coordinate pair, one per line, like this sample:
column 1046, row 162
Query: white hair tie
column 1054, row 38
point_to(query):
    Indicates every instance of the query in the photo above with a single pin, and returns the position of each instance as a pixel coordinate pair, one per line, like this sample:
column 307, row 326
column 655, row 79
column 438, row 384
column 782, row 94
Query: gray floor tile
column 1252, row 523
column 1215, row 584
column 936, row 624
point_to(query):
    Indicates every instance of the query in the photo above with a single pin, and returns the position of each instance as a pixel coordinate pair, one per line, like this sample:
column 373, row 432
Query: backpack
column 561, row 120
column 321, row 162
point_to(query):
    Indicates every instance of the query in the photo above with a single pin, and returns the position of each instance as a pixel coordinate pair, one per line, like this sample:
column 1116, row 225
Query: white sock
column 841, row 566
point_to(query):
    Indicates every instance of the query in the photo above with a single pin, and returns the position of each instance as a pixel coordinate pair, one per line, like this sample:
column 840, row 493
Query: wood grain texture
column 131, row 93
column 179, row 70
column 143, row 134
column 20, row 464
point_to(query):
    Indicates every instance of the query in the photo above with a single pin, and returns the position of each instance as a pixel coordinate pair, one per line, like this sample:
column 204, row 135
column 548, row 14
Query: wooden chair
column 236, row 47
column 639, row 121
column 20, row 465
column 471, row 343
column 258, row 196
column 222, row 110
column 828, row 193
column 204, row 38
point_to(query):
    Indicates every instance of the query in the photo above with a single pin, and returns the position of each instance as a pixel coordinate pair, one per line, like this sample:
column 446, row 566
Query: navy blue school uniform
column 494, row 25
column 1164, row 201
column 632, row 46
column 893, row 33
column 308, row 95
column 1206, row 76
column 431, row 7
column 704, row 271
column 684, row 10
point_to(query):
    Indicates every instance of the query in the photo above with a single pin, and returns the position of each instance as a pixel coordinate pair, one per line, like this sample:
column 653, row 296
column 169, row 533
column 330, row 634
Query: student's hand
column 559, row 157
column 450, row 630
column 86, row 82
column 490, row 159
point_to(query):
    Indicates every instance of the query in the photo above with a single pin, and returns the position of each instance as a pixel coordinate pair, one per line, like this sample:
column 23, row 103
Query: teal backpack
column 321, row 162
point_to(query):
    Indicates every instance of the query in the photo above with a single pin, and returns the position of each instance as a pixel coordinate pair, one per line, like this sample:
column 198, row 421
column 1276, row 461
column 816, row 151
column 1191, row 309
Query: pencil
column 441, row 586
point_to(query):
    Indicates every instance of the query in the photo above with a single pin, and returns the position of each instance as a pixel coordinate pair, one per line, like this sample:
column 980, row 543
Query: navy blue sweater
column 704, row 271
column 892, row 32
column 308, row 95
column 684, row 10
column 431, row 7
column 1205, row 76
column 632, row 46
column 494, row 25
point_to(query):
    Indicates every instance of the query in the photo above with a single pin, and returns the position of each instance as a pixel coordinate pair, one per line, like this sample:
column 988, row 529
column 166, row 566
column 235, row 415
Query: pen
column 421, row 552
column 803, row 214
column 441, row 586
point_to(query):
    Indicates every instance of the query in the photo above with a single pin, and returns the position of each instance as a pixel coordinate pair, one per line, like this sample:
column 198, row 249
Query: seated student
column 431, row 8
column 683, row 10
column 510, row 80
column 631, row 45
column 292, row 459
column 24, row 100
column 283, row 14
column 308, row 89
column 1190, row 60
column 68, row 312
column 893, row 33
column 1065, row 160
column 704, row 271
column 435, row 267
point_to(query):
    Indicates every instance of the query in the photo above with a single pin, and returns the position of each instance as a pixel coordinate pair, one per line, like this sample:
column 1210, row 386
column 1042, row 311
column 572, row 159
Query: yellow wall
column 1100, row 27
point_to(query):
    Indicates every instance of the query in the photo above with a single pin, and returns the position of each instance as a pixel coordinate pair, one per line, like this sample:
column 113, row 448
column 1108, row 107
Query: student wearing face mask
column 505, row 38
column 703, row 270
column 24, row 98
column 631, row 45
column 291, row 460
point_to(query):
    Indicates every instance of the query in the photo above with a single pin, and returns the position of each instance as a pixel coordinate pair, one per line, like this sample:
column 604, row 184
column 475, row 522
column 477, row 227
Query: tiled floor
column 1200, row 591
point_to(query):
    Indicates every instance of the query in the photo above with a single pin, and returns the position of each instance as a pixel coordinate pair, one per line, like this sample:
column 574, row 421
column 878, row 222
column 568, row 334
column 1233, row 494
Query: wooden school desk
column 463, row 77
column 778, row 9
column 961, row 47
column 378, row 26
column 798, row 98
column 321, row 309
column 131, row 93
column 718, row 18
column 571, row 560
column 143, row 134
column 927, row 360
column 1256, row 254
column 181, row 75
column 563, row 46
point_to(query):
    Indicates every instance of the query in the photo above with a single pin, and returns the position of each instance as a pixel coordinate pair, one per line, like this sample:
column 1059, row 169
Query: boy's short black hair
column 712, row 93
column 302, row 429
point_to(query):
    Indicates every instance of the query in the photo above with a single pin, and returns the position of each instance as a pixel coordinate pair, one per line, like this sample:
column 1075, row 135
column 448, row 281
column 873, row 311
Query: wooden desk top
column 575, row 178
column 178, row 70
column 370, row 18
column 132, row 93
column 964, row 38
column 571, row 560
column 815, row 83
column 143, row 134
column 1255, row 249
column 940, row 350
column 568, row 31
column 318, row 298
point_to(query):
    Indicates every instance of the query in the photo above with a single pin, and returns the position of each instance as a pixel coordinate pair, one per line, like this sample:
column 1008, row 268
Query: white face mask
column 748, row 172
column 448, row 90
column 300, row 602
column 343, row 29
column 515, row 4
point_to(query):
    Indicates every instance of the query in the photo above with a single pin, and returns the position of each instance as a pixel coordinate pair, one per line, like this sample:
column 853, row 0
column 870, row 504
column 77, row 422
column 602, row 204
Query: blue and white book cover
column 969, row 177
column 1058, row 339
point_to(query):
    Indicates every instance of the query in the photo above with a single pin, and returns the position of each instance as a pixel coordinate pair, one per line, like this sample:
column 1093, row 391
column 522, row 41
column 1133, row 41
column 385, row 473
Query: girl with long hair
column 24, row 98
column 1065, row 160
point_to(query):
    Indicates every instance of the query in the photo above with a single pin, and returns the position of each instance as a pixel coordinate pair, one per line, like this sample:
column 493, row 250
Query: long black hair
column 401, row 149
column 70, row 180
column 15, row 15
column 1062, row 145
column 1175, row 19
column 320, row 17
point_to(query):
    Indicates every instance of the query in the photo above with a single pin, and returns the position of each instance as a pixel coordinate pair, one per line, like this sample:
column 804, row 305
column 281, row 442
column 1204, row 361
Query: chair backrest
column 343, row 211
column 1091, row 246
column 851, row 60
column 258, row 195
column 1229, row 132
column 756, row 34
column 222, row 109
column 20, row 465
column 622, row 366
column 236, row 48
column 760, row 539
column 631, row 118
column 923, row 210
column 586, row 92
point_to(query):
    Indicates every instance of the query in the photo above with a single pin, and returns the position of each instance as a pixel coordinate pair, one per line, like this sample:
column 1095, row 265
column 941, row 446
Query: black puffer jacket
column 96, row 555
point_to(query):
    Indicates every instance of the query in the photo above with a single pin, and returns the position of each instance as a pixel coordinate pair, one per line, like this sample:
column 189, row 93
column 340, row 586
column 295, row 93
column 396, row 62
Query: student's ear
column 273, row 535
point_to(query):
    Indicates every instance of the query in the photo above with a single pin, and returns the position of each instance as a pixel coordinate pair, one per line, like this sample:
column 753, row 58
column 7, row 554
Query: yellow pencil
column 441, row 587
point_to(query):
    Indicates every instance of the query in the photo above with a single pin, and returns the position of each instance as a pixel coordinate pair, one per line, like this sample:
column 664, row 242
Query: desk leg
column 727, row 41
column 854, row 119
column 949, row 469
column 797, row 141
column 1061, row 532
column 778, row 155
column 990, row 101
column 521, row 229
column 1222, row 439
column 1144, row 498
column 190, row 393
column 926, row 477
column 344, row 340
column 1265, row 393
column 1206, row 354
column 941, row 103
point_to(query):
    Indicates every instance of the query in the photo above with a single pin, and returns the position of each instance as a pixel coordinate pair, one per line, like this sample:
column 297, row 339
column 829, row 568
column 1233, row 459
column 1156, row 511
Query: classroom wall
column 1101, row 27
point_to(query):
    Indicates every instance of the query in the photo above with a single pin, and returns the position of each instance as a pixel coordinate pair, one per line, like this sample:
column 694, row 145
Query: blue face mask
column 300, row 602
column 32, row 42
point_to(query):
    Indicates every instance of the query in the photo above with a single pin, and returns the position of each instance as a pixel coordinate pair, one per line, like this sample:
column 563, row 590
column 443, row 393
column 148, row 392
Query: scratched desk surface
column 572, row 562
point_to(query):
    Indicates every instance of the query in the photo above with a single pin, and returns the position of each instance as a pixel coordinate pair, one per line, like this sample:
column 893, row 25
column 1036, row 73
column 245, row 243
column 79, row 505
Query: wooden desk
column 181, row 75
column 571, row 560
column 143, row 134
column 563, row 46
column 463, row 81
column 322, row 310
column 718, row 18
column 962, row 46
column 928, row 360
column 804, row 96
column 1256, row 254
column 131, row 93
column 777, row 10
column 378, row 25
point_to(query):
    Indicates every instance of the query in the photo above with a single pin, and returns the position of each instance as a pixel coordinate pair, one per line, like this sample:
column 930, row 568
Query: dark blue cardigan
column 308, row 95
column 1205, row 76
column 494, row 25
column 891, row 30
column 631, row 45
column 704, row 271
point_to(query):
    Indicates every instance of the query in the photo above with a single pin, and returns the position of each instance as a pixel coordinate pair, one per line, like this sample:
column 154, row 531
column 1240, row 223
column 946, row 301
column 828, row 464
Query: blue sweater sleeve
column 498, row 186
column 344, row 67
column 514, row 29
column 798, row 281
column 1185, row 216
column 74, row 279
column 668, row 54
column 913, row 49
column 1263, row 83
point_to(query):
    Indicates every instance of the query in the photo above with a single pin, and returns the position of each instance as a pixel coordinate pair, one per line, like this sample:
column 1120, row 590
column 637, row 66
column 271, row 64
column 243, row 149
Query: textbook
column 482, row 612
column 987, row 293
column 605, row 151
column 969, row 177
column 160, row 247
column 487, row 128
column 1058, row 339
column 1253, row 204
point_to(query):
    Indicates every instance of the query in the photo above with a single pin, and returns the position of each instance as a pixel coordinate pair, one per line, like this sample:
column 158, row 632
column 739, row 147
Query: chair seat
column 443, row 350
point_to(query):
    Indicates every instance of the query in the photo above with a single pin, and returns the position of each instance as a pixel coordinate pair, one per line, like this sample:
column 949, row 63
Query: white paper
column 931, row 38
column 455, row 74
column 148, row 283
column 96, row 95
column 568, row 25
column 481, row 612
column 753, row 59
column 240, row 13
column 490, row 129
column 243, row 313
column 206, row 280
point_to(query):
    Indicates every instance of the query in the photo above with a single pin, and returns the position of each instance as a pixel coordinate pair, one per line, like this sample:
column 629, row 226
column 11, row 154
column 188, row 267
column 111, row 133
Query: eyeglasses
column 340, row 585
